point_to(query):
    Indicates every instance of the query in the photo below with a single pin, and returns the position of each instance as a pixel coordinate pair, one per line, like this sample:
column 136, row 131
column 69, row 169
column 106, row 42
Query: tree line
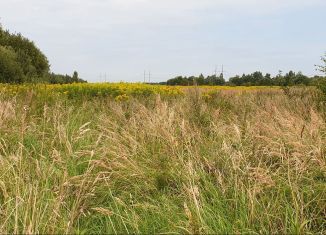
column 259, row 79
column 21, row 61
column 254, row 79
column 200, row 80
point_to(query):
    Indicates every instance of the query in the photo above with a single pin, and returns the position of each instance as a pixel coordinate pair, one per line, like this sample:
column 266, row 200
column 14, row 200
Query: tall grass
column 251, row 162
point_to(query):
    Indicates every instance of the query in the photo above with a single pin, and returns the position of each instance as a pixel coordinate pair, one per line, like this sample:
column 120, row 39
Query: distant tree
column 237, row 81
column 254, row 79
column 181, row 81
column 219, row 80
column 75, row 76
column 266, row 80
column 257, row 78
column 191, row 80
column 301, row 79
column 289, row 78
column 278, row 80
column 64, row 79
column 214, row 80
column 200, row 80
column 322, row 68
column 321, row 82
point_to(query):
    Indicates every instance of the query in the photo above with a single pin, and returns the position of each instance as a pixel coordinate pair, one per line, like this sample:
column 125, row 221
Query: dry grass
column 250, row 162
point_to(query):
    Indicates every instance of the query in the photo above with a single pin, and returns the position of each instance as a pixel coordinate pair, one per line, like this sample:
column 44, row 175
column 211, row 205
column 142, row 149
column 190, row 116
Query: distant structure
column 105, row 77
column 221, row 72
column 148, row 76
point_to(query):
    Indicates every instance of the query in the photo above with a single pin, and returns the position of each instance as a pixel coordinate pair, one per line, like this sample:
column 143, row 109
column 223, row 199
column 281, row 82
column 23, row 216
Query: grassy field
column 133, row 158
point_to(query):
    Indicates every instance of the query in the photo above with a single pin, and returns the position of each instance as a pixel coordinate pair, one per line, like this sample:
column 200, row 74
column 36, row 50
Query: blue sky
column 122, row 38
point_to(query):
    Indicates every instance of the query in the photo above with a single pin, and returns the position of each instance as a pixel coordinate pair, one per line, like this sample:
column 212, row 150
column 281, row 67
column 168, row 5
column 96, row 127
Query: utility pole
column 149, row 77
column 222, row 71
column 144, row 76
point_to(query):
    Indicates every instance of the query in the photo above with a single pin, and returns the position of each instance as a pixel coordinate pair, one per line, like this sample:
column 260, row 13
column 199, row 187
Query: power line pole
column 222, row 71
column 144, row 76
column 149, row 76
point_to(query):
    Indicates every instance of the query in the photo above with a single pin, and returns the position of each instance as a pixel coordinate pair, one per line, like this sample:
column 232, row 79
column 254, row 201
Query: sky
column 117, row 40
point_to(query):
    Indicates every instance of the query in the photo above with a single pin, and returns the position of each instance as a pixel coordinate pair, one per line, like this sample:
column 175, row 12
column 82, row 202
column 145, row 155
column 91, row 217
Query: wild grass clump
column 222, row 162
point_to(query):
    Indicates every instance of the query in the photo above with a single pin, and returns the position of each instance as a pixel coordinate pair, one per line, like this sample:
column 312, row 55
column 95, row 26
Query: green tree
column 237, row 80
column 301, row 79
column 31, row 60
column 322, row 68
column 289, row 78
column 10, row 70
column 75, row 76
column 321, row 84
column 200, row 80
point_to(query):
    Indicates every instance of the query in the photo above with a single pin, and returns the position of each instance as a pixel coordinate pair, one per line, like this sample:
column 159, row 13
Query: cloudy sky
column 122, row 38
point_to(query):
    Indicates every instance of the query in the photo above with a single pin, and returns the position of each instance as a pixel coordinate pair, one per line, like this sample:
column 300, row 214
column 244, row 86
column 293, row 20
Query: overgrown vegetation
column 137, row 158
column 218, row 162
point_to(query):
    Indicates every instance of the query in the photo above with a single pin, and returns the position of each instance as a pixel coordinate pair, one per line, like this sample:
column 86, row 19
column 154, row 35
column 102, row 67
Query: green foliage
column 321, row 85
column 64, row 79
column 258, row 79
column 10, row 70
column 321, row 81
column 31, row 60
column 322, row 68
column 22, row 62
column 255, row 79
column 200, row 80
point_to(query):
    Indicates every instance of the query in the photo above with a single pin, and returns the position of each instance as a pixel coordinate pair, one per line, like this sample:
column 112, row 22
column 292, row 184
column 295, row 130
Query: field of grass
column 134, row 158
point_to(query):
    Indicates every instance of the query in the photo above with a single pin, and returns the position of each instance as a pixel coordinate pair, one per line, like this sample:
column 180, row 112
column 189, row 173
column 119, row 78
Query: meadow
column 137, row 158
